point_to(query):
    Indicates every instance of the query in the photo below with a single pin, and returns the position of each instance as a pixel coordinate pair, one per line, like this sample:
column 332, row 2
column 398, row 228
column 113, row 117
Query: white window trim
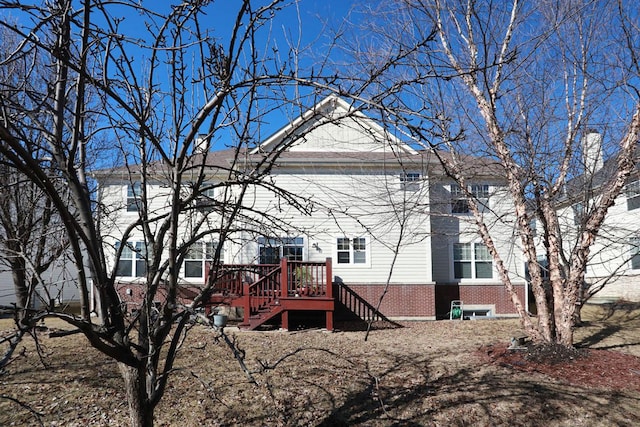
column 472, row 279
column 352, row 264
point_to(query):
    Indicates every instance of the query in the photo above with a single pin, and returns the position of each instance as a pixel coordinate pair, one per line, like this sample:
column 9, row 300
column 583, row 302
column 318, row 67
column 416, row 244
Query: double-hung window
column 134, row 191
column 480, row 192
column 633, row 195
column 351, row 251
column 410, row 181
column 270, row 250
column 197, row 257
column 472, row 261
column 460, row 203
column 133, row 260
column 635, row 253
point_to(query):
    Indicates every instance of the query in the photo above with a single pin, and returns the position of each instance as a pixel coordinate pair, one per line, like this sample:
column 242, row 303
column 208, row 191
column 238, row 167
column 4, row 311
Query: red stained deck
column 267, row 291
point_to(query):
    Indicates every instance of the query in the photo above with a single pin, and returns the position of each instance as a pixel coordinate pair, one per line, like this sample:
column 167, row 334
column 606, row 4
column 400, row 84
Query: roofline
column 290, row 128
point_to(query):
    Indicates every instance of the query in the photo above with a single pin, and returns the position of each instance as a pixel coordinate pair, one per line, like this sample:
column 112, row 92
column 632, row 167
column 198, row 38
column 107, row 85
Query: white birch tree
column 521, row 84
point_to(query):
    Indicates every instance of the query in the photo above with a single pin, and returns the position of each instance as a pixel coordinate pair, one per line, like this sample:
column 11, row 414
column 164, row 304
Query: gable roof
column 333, row 125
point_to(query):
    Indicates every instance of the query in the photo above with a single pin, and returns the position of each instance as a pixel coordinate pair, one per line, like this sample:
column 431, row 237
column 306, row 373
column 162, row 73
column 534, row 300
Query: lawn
column 439, row 373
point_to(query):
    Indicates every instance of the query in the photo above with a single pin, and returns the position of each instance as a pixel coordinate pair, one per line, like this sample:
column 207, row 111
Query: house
column 380, row 210
column 613, row 269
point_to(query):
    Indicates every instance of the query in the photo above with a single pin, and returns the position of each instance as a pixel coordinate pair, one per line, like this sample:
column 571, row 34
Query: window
column 197, row 257
column 633, row 195
column 410, row 181
column 472, row 261
column 635, row 253
column 459, row 202
column 134, row 191
column 133, row 260
column 578, row 213
column 351, row 251
column 205, row 200
column 270, row 250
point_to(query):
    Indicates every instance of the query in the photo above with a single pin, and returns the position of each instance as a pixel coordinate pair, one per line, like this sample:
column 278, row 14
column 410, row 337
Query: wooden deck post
column 329, row 278
column 329, row 284
column 329, row 320
column 247, row 303
column 284, row 278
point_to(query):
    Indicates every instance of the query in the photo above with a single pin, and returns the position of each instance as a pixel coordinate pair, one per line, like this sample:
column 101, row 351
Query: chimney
column 200, row 144
column 592, row 152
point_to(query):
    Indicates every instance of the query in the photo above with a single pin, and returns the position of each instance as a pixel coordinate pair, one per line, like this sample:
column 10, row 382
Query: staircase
column 360, row 308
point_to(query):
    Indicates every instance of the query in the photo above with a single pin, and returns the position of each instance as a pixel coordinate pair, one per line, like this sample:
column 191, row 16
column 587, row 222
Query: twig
column 239, row 355
column 35, row 413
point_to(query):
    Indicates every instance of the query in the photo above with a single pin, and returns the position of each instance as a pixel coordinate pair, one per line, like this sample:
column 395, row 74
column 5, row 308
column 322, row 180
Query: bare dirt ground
column 444, row 373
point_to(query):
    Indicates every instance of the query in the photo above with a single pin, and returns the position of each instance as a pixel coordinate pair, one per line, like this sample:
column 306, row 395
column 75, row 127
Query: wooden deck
column 270, row 291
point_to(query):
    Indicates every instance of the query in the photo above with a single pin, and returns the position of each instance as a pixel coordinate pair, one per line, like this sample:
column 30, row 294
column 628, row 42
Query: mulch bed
column 582, row 367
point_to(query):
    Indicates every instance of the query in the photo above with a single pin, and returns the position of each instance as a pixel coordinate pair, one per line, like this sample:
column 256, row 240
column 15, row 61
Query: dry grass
column 426, row 374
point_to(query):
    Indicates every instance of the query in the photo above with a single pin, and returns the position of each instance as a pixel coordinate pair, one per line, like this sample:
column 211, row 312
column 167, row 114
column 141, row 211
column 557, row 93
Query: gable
column 333, row 125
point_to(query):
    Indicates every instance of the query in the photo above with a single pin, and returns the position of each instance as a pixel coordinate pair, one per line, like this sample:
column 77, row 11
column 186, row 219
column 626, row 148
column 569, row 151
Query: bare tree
column 521, row 84
column 32, row 239
column 164, row 95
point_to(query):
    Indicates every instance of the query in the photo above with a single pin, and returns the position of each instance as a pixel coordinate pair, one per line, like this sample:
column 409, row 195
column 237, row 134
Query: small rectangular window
column 481, row 195
column 344, row 252
column 633, row 195
column 134, row 191
column 410, row 181
column 352, row 251
column 635, row 253
column 205, row 201
column 578, row 213
column 459, row 203
column 484, row 262
column 359, row 250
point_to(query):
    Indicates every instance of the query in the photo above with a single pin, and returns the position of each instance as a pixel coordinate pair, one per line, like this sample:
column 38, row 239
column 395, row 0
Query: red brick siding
column 491, row 294
column 401, row 300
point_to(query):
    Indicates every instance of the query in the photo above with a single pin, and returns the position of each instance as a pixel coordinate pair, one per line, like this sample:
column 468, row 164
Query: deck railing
column 262, row 285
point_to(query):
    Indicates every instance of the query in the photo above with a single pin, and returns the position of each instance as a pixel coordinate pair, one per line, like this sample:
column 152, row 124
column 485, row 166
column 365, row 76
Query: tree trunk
column 140, row 409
